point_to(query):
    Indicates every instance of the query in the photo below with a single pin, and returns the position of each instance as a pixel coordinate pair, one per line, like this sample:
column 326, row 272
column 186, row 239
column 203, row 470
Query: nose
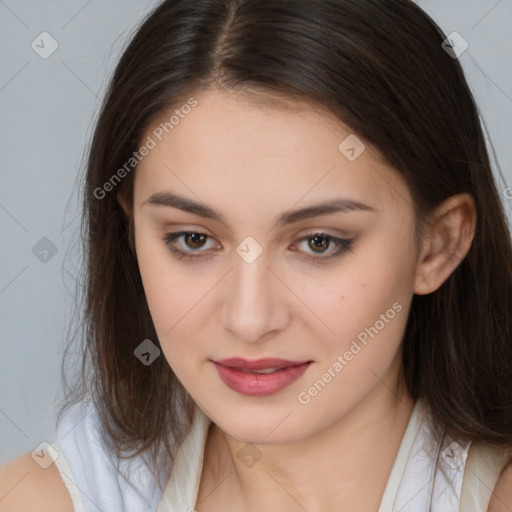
column 256, row 302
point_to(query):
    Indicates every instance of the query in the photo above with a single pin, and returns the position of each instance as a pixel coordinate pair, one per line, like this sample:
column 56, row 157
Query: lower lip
column 259, row 384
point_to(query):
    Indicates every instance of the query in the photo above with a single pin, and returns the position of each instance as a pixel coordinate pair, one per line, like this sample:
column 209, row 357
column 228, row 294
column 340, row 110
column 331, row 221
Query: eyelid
column 299, row 233
column 171, row 236
column 343, row 244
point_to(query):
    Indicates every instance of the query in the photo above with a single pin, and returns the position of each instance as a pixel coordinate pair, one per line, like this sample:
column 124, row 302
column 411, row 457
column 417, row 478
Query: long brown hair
column 378, row 65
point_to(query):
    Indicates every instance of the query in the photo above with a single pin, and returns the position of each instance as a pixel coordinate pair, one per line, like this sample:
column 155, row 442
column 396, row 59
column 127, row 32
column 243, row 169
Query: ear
column 446, row 242
column 127, row 210
column 121, row 199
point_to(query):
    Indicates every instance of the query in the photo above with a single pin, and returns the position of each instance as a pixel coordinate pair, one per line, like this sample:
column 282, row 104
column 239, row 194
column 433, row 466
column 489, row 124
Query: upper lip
column 259, row 364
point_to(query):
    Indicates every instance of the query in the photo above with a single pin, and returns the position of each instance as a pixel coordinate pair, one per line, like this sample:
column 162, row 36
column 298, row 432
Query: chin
column 278, row 426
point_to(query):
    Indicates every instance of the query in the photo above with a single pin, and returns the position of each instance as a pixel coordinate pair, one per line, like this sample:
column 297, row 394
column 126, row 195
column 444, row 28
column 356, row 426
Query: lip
column 238, row 374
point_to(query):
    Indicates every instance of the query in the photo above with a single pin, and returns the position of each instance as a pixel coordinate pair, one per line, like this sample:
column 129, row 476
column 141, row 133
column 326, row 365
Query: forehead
column 230, row 146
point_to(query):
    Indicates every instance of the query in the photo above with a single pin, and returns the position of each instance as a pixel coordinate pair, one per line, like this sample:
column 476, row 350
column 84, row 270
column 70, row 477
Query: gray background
column 47, row 108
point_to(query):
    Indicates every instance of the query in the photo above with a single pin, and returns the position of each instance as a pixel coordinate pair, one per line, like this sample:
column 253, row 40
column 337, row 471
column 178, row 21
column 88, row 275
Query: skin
column 328, row 454
column 251, row 163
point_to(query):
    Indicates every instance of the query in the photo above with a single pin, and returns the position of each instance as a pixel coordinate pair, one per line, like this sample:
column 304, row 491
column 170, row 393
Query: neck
column 330, row 470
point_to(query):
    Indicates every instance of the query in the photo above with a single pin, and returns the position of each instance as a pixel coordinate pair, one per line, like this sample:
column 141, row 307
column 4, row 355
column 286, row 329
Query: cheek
column 176, row 295
column 336, row 305
column 365, row 306
column 154, row 271
column 164, row 283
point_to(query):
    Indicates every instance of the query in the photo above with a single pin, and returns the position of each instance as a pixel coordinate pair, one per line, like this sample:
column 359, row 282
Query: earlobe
column 446, row 243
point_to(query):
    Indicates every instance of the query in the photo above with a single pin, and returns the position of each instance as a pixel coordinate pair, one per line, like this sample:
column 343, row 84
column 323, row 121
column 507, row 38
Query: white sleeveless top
column 417, row 482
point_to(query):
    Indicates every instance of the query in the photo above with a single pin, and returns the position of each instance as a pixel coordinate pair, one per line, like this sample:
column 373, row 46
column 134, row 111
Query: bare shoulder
column 501, row 498
column 24, row 485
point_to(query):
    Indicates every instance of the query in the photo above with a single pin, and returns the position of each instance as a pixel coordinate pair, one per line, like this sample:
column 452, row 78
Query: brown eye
column 320, row 242
column 194, row 240
column 318, row 245
column 191, row 244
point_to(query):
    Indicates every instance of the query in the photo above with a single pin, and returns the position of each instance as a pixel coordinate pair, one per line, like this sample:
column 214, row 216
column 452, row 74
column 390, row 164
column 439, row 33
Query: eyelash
column 343, row 245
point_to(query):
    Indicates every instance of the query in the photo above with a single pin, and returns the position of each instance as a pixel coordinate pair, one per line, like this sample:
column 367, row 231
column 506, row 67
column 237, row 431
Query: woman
column 298, row 279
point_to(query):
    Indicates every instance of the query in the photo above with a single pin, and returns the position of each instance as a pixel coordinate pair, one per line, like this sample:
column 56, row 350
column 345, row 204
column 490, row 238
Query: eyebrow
column 337, row 205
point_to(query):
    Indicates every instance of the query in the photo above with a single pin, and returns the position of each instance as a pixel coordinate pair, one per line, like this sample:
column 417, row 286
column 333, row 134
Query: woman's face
column 268, row 278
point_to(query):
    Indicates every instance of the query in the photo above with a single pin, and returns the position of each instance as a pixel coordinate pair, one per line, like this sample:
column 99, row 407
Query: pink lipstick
column 261, row 377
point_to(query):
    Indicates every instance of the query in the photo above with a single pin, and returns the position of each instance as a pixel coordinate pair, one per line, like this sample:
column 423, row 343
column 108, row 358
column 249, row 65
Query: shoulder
column 24, row 485
column 501, row 498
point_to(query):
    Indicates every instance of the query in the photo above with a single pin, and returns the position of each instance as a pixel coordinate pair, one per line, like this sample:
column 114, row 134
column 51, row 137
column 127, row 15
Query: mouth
column 267, row 364
column 261, row 377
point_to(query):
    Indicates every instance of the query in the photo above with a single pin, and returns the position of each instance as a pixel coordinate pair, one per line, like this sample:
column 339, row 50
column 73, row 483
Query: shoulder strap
column 87, row 466
column 483, row 468
column 68, row 479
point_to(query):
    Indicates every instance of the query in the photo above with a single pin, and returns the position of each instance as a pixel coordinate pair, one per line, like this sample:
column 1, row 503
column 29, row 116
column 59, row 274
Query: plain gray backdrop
column 49, row 97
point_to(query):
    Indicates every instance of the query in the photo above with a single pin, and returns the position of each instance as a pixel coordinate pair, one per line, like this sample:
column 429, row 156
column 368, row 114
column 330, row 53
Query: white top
column 449, row 481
